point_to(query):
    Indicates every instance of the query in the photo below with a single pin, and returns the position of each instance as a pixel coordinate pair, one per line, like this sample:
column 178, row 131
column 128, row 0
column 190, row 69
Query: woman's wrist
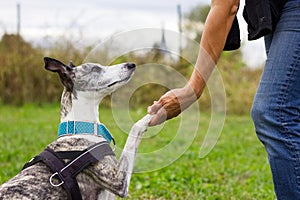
column 196, row 84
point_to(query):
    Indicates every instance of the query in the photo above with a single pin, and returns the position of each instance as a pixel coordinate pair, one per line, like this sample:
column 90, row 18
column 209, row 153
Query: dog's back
column 28, row 183
column 33, row 182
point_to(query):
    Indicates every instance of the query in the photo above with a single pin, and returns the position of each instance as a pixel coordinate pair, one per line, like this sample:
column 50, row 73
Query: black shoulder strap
column 49, row 157
column 233, row 40
column 67, row 173
column 90, row 156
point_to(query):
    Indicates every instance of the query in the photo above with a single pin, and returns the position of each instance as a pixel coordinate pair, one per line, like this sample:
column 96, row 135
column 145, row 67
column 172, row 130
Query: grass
column 236, row 168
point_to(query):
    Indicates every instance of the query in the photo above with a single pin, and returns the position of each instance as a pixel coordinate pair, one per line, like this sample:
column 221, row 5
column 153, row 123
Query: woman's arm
column 216, row 29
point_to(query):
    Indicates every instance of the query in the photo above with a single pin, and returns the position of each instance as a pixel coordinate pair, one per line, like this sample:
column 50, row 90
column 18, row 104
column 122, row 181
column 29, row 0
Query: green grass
column 236, row 168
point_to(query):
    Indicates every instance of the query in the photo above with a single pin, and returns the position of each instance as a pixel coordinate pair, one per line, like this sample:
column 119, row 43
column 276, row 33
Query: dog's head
column 91, row 77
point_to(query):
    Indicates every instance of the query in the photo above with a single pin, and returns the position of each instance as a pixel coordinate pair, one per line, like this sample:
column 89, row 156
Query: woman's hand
column 171, row 104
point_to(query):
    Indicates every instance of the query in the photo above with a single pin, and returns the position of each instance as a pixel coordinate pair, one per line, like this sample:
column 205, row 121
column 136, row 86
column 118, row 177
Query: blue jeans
column 276, row 107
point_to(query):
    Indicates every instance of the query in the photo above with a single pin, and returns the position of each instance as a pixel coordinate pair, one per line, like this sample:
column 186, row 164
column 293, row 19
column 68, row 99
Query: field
column 236, row 168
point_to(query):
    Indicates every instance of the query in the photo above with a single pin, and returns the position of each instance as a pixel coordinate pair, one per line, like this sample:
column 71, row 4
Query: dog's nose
column 130, row 65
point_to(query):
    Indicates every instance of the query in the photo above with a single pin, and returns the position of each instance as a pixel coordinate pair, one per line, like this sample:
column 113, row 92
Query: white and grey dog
column 81, row 131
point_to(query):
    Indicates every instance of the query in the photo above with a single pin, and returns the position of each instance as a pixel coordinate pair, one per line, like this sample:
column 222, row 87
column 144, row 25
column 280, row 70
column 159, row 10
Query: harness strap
column 67, row 173
column 69, row 155
column 90, row 156
column 49, row 157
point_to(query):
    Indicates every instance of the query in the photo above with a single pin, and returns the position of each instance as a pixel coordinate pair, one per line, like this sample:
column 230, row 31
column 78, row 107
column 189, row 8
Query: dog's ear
column 65, row 72
column 54, row 65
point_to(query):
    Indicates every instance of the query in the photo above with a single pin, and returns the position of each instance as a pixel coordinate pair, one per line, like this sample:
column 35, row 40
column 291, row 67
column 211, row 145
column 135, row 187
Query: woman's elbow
column 229, row 6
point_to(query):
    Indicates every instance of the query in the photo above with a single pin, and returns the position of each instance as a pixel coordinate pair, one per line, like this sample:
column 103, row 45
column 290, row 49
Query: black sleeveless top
column 261, row 17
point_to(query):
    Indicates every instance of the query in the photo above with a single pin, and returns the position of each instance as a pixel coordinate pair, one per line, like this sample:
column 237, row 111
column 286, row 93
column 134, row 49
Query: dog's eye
column 84, row 67
column 96, row 69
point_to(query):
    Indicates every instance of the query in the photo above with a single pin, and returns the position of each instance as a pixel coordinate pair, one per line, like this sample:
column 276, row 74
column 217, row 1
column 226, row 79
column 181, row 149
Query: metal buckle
column 51, row 181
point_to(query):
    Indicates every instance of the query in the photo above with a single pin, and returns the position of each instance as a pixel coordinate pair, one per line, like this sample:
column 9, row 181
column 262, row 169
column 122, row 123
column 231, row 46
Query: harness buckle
column 51, row 180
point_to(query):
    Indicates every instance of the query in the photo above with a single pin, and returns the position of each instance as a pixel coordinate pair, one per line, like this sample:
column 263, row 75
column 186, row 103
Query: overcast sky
column 97, row 19
column 92, row 18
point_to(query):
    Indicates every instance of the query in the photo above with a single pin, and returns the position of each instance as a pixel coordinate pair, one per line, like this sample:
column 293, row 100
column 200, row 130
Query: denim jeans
column 276, row 106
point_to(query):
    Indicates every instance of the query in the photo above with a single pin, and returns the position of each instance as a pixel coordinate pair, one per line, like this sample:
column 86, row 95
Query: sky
column 90, row 20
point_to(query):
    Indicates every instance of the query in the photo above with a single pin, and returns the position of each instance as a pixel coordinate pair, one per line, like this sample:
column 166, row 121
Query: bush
column 23, row 78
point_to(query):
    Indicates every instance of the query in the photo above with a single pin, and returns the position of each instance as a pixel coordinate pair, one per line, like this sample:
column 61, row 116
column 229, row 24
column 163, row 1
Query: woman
column 276, row 107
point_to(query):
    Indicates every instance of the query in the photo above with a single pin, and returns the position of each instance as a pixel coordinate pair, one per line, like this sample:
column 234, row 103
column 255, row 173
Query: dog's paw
column 144, row 122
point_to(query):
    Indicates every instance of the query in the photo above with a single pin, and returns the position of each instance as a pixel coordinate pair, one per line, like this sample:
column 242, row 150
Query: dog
column 84, row 88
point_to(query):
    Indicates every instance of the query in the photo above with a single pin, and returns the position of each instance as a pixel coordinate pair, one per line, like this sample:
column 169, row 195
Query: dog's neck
column 82, row 107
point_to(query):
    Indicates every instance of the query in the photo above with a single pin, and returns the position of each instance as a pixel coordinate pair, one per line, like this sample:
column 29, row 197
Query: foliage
column 240, row 82
column 22, row 76
column 198, row 13
column 194, row 21
column 18, row 73
column 236, row 168
column 23, row 79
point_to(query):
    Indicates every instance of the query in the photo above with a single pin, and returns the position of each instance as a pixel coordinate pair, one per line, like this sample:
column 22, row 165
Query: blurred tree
column 194, row 21
column 17, row 60
column 193, row 27
column 22, row 75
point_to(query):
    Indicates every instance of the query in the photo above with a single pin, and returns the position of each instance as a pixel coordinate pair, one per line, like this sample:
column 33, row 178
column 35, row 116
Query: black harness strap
column 49, row 157
column 91, row 155
column 69, row 155
column 67, row 172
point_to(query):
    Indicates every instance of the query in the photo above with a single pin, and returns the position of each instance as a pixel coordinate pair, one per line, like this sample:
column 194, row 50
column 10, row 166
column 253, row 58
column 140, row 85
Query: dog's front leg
column 129, row 152
column 106, row 195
